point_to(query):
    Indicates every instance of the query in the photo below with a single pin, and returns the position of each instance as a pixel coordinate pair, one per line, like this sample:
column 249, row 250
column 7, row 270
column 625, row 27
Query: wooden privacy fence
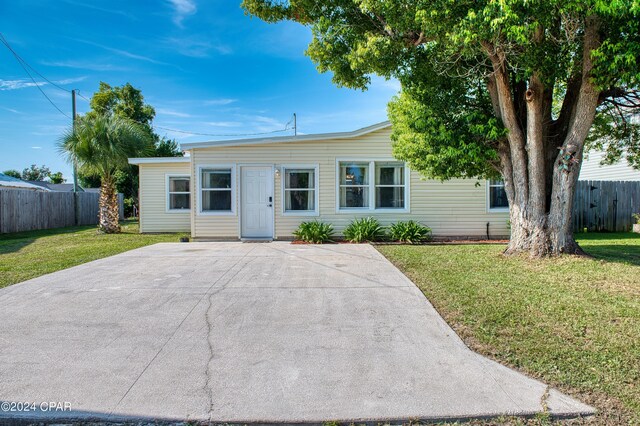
column 605, row 205
column 25, row 210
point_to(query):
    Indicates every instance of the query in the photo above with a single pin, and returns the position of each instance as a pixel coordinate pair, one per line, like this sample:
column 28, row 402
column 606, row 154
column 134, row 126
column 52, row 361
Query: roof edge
column 158, row 160
column 287, row 139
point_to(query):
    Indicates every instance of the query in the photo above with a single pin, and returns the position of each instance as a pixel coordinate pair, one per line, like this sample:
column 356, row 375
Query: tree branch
column 510, row 120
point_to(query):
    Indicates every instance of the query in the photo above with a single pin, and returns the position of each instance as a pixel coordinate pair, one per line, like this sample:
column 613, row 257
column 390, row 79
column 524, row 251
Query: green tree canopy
column 124, row 101
column 35, row 173
column 127, row 102
column 13, row 173
column 102, row 144
column 508, row 87
column 56, row 177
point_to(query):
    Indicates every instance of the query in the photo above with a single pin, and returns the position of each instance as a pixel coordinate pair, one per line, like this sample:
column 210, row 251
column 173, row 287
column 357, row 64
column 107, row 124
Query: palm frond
column 102, row 144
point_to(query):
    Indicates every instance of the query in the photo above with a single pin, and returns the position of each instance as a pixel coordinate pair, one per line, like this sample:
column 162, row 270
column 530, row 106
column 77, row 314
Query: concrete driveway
column 246, row 332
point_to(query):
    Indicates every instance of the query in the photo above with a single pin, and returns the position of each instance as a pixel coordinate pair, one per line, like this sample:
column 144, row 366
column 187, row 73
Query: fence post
column 76, row 214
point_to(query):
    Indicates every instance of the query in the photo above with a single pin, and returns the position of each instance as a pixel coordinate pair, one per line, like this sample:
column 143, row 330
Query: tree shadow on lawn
column 612, row 247
column 11, row 243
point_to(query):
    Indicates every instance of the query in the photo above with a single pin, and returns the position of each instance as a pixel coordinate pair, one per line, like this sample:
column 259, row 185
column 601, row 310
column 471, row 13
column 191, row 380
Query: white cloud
column 221, row 101
column 85, row 65
column 224, row 123
column 173, row 113
column 19, row 84
column 261, row 123
column 24, row 83
column 101, row 9
column 121, row 52
column 15, row 111
column 71, row 80
column 49, row 130
column 182, row 9
column 36, row 147
column 195, row 47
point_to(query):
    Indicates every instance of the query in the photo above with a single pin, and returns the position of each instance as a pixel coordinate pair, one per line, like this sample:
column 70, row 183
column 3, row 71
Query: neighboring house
column 264, row 188
column 9, row 182
column 57, row 187
column 593, row 170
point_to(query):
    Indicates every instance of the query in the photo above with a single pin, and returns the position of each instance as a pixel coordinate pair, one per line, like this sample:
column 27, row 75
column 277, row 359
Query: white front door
column 256, row 202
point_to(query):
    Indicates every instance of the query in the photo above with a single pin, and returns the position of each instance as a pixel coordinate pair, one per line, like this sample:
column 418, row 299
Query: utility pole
column 73, row 124
column 295, row 125
column 76, row 213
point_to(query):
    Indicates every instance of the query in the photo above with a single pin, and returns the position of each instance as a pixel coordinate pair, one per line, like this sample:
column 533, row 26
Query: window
column 179, row 197
column 354, row 185
column 379, row 185
column 300, row 190
column 497, row 195
column 389, row 186
column 216, row 190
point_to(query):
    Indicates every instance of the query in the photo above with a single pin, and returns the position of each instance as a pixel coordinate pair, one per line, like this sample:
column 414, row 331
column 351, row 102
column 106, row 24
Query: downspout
column 488, row 237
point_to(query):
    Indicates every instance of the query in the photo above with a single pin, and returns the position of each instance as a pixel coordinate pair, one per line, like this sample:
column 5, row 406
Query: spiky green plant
column 367, row 229
column 409, row 232
column 315, row 232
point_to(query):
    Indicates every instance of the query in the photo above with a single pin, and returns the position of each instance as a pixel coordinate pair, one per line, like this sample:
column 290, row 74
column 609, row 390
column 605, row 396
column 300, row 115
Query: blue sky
column 203, row 65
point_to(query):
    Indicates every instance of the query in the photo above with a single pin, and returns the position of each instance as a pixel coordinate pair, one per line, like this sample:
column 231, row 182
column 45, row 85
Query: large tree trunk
column 108, row 205
column 541, row 157
column 551, row 234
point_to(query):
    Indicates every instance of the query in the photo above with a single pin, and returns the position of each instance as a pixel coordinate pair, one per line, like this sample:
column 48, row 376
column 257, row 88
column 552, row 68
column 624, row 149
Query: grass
column 572, row 322
column 27, row 255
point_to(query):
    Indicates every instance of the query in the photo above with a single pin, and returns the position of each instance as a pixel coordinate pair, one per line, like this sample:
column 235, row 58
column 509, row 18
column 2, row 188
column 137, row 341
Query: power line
column 20, row 61
column 82, row 96
column 19, row 58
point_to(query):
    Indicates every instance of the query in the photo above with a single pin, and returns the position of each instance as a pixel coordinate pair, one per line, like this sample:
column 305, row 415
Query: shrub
column 367, row 229
column 636, row 217
column 314, row 232
column 409, row 232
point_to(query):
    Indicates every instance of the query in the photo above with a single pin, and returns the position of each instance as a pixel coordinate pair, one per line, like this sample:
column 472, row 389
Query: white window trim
column 167, row 178
column 488, row 196
column 234, row 191
column 316, row 211
column 372, row 187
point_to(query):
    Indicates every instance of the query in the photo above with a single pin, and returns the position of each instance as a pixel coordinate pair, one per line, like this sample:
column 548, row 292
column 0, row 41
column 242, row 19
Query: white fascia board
column 157, row 160
column 287, row 139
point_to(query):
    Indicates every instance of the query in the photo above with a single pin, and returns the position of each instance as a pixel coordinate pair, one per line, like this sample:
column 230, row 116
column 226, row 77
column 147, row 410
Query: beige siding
column 454, row 208
column 153, row 199
column 593, row 170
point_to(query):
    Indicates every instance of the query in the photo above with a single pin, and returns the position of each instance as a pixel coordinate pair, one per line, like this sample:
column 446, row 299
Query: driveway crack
column 209, row 323
column 206, row 294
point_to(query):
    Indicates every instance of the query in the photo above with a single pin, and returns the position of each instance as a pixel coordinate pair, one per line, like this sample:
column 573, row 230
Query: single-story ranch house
column 263, row 188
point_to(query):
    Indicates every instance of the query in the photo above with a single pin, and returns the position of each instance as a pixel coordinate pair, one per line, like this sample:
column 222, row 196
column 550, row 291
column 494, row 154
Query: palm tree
column 100, row 145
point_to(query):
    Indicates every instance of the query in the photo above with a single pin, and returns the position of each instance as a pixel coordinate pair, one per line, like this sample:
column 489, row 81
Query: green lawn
column 28, row 255
column 572, row 322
